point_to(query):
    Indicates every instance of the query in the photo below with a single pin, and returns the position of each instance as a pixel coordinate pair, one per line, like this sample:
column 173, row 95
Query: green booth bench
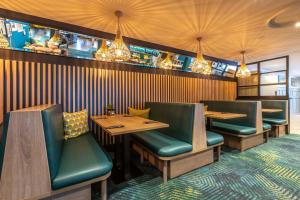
column 277, row 120
column 183, row 146
column 239, row 133
column 52, row 167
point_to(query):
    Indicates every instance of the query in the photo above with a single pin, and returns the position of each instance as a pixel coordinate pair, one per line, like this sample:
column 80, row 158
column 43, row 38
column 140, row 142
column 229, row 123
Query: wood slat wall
column 27, row 83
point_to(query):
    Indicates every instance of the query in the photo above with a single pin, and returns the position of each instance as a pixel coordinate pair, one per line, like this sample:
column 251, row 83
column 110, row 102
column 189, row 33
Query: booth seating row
column 278, row 121
column 45, row 165
column 184, row 145
column 239, row 133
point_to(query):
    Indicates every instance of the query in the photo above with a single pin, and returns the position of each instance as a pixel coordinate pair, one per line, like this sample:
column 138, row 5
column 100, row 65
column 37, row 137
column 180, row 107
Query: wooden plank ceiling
column 228, row 26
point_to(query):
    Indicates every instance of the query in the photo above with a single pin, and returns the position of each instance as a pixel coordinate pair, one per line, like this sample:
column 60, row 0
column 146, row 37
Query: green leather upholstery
column 213, row 138
column 75, row 160
column 54, row 136
column 162, row 144
column 266, row 126
column 275, row 104
column 81, row 160
column 3, row 131
column 245, row 107
column 275, row 121
column 233, row 128
column 179, row 116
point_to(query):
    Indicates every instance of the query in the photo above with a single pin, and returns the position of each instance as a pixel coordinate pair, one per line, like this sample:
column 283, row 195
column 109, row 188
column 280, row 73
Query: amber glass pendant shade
column 102, row 53
column 200, row 65
column 4, row 44
column 166, row 63
column 243, row 71
column 118, row 50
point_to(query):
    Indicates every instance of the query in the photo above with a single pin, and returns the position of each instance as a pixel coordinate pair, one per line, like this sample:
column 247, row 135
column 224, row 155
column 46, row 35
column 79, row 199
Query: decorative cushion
column 75, row 124
column 161, row 144
column 140, row 113
column 213, row 138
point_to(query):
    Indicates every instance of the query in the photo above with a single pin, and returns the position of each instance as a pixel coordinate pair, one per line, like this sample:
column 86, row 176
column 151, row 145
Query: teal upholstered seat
column 81, row 160
column 266, row 126
column 276, row 118
column 232, row 128
column 3, row 134
column 162, row 144
column 213, row 138
column 75, row 160
column 275, row 121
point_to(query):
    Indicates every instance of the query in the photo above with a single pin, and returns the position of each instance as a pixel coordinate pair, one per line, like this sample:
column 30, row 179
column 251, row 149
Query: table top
column 223, row 115
column 269, row 110
column 130, row 124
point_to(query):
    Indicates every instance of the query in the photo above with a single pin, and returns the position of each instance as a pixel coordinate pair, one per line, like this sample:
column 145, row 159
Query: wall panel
column 29, row 83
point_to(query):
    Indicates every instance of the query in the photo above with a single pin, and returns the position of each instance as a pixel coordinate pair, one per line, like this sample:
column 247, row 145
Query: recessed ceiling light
column 297, row 24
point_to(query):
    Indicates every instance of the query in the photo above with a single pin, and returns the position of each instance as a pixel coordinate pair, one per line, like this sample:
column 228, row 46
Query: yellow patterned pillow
column 75, row 124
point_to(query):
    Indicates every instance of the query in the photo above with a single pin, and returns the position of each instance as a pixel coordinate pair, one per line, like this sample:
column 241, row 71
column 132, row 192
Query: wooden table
column 131, row 124
column 221, row 115
column 269, row 110
column 128, row 124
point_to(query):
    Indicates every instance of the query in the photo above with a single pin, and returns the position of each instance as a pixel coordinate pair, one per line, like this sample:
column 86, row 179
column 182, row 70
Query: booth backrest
column 179, row 116
column 3, row 134
column 275, row 104
column 54, row 136
column 244, row 107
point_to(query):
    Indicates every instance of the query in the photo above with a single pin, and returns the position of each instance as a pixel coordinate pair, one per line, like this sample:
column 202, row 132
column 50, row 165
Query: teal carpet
column 269, row 171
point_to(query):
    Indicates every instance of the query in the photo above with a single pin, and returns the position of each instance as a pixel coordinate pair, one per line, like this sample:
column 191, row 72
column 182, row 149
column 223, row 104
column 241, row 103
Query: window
column 268, row 79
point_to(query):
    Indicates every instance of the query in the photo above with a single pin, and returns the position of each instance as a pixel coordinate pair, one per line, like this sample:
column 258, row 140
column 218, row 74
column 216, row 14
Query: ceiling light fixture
column 4, row 44
column 243, row 70
column 118, row 50
column 297, row 24
column 200, row 65
column 167, row 62
column 102, row 53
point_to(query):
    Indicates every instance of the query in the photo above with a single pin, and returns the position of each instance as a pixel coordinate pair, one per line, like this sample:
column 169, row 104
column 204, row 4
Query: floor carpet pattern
column 269, row 171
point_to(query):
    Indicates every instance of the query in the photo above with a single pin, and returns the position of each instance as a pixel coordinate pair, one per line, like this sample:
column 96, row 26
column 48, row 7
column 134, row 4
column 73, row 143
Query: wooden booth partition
column 29, row 79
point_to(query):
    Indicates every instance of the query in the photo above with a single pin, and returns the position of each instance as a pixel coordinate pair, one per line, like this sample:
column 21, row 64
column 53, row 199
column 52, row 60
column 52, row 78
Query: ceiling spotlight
column 297, row 24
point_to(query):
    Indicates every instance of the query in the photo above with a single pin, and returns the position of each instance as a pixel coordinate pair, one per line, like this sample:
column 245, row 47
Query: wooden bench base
column 177, row 165
column 80, row 191
column 242, row 142
column 279, row 130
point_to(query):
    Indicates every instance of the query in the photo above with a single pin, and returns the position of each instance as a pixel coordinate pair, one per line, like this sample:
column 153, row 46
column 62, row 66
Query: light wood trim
column 25, row 173
column 83, row 193
column 259, row 118
column 199, row 129
column 183, row 165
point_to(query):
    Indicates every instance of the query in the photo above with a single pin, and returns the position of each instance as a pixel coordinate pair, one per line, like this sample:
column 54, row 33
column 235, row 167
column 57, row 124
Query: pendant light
column 166, row 63
column 200, row 65
column 4, row 44
column 243, row 70
column 118, row 50
column 102, row 53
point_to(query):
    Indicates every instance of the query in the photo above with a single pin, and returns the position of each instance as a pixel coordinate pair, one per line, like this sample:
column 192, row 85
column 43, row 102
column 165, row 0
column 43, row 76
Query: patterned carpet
column 269, row 171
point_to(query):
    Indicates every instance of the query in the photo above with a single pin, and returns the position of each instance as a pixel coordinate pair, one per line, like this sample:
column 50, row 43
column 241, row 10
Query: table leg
column 126, row 141
column 209, row 123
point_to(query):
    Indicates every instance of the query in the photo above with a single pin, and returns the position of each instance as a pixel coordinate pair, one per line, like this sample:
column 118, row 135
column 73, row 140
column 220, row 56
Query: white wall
column 294, row 103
